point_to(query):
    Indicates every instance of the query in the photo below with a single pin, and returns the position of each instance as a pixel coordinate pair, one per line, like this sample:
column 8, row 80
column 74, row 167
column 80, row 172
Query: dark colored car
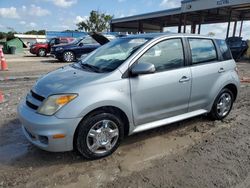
column 237, row 46
column 74, row 50
column 42, row 49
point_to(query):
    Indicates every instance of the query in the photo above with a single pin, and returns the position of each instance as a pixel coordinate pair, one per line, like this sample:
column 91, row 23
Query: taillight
column 236, row 70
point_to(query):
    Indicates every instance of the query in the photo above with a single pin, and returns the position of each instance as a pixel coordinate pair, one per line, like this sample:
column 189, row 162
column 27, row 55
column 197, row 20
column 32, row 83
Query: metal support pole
column 235, row 27
column 111, row 27
column 229, row 21
column 185, row 23
column 199, row 29
column 241, row 27
column 140, row 27
column 180, row 23
column 193, row 28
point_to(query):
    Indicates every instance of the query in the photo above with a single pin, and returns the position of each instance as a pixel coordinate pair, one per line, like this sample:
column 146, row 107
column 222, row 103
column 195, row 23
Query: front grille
column 36, row 96
column 29, row 104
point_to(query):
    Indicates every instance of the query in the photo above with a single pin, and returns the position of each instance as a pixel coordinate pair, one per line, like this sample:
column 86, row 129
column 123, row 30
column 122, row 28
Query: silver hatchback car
column 129, row 85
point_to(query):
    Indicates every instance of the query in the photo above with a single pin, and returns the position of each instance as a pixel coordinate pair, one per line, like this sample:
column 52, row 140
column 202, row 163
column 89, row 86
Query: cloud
column 64, row 3
column 121, row 14
column 10, row 12
column 22, row 22
column 80, row 19
column 37, row 11
column 61, row 27
column 32, row 24
column 170, row 3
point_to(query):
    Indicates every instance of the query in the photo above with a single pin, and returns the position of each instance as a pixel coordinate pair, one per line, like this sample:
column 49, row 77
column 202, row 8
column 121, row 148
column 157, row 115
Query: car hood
column 64, row 80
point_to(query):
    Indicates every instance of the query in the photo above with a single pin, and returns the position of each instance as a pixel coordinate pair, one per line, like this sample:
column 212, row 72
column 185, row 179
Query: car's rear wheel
column 68, row 56
column 42, row 52
column 99, row 135
column 222, row 104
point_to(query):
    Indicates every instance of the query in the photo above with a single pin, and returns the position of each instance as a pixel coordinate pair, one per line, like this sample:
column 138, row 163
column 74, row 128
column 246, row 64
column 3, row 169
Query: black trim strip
column 29, row 104
column 36, row 96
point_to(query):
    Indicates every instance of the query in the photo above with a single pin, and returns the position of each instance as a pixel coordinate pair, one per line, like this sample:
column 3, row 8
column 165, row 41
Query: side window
column 57, row 41
column 202, row 50
column 63, row 41
column 165, row 55
column 225, row 51
column 88, row 40
column 52, row 42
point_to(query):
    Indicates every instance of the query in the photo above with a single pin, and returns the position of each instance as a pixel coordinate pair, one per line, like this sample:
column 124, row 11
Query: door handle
column 221, row 70
column 184, row 79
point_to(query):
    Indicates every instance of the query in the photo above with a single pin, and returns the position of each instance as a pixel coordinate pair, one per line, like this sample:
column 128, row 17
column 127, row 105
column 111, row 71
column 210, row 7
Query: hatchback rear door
column 206, row 70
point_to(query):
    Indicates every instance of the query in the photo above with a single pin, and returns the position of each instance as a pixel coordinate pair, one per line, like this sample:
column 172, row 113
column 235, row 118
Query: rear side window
column 202, row 50
column 225, row 51
column 63, row 41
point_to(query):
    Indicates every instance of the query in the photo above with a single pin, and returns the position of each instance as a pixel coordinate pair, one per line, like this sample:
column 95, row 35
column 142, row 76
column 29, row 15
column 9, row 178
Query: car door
column 206, row 70
column 166, row 92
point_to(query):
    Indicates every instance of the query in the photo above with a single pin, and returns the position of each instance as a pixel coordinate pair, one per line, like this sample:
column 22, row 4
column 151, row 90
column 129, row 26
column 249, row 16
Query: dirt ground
column 192, row 153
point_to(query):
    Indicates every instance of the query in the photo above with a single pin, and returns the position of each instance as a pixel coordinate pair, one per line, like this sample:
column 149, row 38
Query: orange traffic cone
column 4, row 66
column 1, row 97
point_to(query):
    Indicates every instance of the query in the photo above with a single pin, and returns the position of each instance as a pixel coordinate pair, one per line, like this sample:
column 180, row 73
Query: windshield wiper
column 90, row 67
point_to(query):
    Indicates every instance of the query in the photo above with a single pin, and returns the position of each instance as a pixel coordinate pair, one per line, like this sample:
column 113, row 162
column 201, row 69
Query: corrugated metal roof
column 148, row 15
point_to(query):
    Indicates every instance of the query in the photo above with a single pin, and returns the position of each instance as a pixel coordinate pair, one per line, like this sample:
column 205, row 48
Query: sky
column 59, row 15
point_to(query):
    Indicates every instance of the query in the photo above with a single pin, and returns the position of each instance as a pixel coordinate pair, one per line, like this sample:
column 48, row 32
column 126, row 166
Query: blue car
column 72, row 51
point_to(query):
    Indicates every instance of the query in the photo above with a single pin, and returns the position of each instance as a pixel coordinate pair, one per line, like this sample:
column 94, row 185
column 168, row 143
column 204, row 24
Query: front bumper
column 57, row 55
column 40, row 129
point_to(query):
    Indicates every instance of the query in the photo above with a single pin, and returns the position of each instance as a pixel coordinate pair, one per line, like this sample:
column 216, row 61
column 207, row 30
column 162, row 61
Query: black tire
column 42, row 52
column 68, row 56
column 87, row 124
column 214, row 114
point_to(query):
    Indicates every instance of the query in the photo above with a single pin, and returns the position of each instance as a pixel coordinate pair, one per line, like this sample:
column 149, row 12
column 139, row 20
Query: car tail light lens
column 236, row 70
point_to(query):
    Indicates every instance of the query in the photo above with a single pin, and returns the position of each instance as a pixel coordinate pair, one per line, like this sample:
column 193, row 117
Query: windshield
column 110, row 56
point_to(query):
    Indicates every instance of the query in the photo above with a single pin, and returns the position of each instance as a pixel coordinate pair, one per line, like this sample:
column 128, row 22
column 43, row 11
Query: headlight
column 59, row 48
column 53, row 103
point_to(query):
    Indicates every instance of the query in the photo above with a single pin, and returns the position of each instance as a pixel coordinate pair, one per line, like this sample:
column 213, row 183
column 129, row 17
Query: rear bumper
column 40, row 129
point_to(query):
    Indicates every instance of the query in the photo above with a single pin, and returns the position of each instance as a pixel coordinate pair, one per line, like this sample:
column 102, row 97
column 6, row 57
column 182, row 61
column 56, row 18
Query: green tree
column 97, row 22
column 211, row 34
column 34, row 32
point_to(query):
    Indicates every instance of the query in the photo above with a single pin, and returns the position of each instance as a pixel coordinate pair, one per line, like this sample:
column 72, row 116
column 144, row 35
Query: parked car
column 74, row 50
column 129, row 85
column 237, row 46
column 42, row 49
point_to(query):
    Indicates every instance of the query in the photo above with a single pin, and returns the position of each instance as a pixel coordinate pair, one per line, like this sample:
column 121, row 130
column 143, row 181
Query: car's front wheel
column 222, row 104
column 42, row 52
column 68, row 56
column 99, row 135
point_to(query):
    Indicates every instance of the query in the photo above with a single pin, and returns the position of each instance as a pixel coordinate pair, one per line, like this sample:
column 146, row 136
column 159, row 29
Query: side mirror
column 143, row 68
column 81, row 44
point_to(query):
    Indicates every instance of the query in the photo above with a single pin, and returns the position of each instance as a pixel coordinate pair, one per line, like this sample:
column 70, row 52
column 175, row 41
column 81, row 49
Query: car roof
column 168, row 34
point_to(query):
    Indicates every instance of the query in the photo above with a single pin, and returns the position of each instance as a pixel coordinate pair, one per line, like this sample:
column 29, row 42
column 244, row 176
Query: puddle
column 10, row 152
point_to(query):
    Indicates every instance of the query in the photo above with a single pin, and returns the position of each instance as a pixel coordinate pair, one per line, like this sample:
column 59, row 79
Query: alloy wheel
column 102, row 136
column 224, row 104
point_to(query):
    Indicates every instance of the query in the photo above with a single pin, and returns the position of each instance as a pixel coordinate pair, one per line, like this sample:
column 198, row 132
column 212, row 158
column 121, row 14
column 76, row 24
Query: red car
column 41, row 49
